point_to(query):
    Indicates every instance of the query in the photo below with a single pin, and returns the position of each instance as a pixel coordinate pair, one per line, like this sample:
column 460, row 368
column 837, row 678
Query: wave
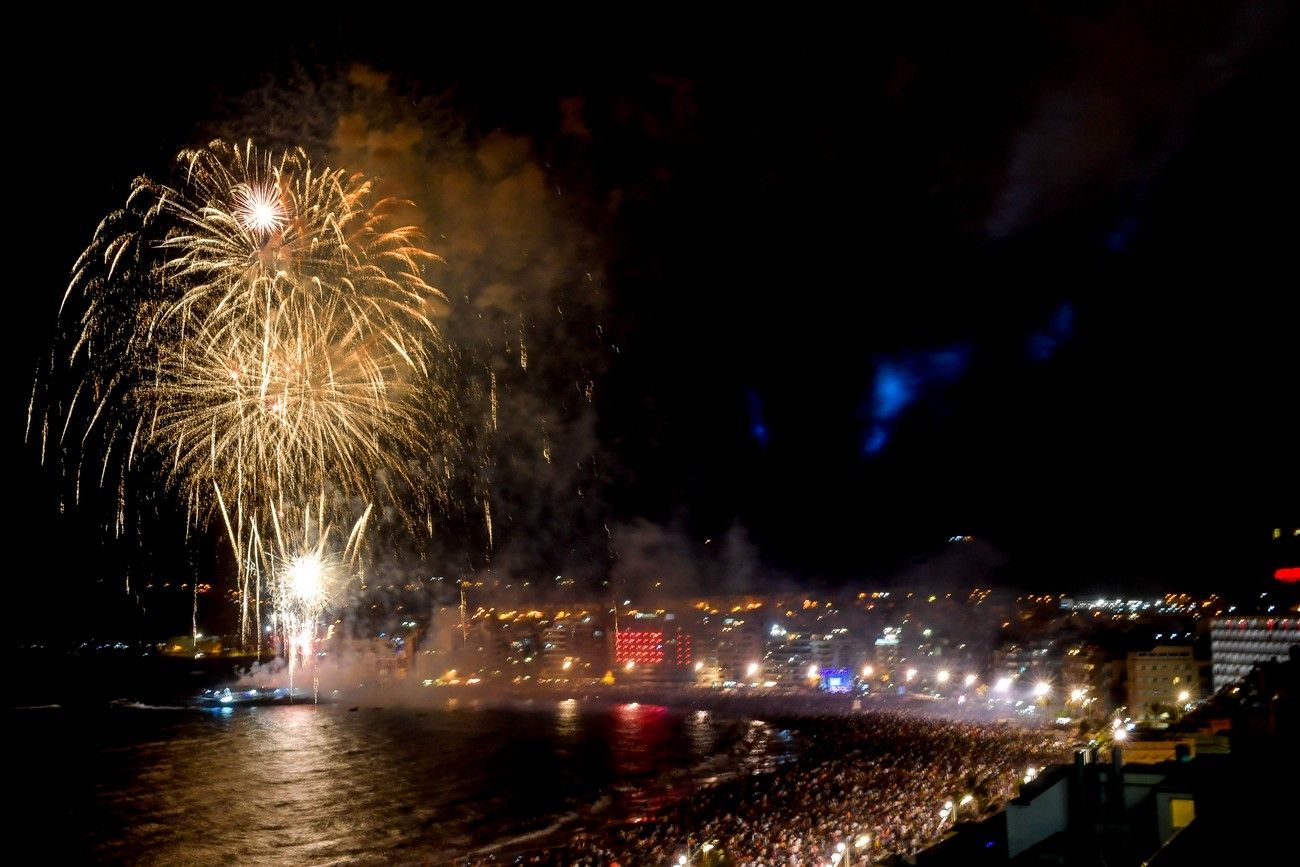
column 527, row 836
column 139, row 705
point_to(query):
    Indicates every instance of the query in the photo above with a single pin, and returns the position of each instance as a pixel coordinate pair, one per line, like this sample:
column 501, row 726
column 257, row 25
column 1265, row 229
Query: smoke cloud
column 1127, row 92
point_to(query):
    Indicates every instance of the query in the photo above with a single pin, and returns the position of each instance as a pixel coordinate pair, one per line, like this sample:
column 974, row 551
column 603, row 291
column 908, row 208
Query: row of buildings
column 1079, row 658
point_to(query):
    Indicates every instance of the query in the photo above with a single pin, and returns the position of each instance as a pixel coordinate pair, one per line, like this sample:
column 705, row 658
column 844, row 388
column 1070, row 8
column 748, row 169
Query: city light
column 629, row 665
column 813, row 672
column 1120, row 734
column 1003, row 685
column 942, row 676
column 1042, row 688
column 868, row 670
column 1184, row 696
column 862, row 841
column 911, row 673
column 970, row 680
column 752, row 669
column 1076, row 694
column 699, row 666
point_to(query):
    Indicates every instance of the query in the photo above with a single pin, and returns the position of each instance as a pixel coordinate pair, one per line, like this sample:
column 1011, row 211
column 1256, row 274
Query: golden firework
column 262, row 333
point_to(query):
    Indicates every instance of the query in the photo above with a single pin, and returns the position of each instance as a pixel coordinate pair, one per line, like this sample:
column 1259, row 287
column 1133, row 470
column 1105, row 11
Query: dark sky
column 1026, row 275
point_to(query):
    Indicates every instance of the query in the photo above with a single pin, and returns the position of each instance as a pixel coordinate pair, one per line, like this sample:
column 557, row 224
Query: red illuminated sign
column 643, row 648
column 1290, row 575
column 683, row 650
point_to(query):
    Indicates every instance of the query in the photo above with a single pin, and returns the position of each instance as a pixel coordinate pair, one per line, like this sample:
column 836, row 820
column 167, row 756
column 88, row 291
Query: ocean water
column 142, row 783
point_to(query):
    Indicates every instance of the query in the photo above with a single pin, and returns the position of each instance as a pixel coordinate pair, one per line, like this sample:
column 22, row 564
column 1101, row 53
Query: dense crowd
column 879, row 783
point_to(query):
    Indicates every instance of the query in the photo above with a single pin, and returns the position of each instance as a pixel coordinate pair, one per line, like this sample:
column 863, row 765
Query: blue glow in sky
column 904, row 379
column 1043, row 344
column 757, row 426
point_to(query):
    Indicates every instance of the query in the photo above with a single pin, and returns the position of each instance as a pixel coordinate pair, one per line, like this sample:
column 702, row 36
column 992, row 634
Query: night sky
column 1023, row 275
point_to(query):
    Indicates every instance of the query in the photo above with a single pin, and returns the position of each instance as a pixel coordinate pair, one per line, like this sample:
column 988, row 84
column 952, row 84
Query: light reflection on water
column 566, row 718
column 700, row 728
column 304, row 784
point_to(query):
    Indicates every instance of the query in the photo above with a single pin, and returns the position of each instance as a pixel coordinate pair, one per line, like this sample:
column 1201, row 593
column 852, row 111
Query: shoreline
column 565, row 842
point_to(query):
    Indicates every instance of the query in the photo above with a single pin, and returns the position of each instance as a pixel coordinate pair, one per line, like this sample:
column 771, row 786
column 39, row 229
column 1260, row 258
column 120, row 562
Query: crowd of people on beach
column 865, row 786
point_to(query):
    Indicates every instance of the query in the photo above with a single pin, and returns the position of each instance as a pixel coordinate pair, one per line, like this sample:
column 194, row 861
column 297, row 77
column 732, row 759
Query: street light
column 867, row 671
column 864, row 842
column 1003, row 685
column 1184, row 696
column 942, row 676
column 911, row 673
column 970, row 680
column 705, row 848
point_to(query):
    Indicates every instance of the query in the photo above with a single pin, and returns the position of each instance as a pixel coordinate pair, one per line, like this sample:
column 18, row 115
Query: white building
column 1237, row 643
column 1161, row 678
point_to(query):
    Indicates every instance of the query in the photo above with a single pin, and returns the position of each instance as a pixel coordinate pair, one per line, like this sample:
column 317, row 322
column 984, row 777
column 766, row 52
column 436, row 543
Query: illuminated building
column 887, row 648
column 1086, row 667
column 1030, row 661
column 1159, row 678
column 1237, row 643
column 789, row 653
column 737, row 646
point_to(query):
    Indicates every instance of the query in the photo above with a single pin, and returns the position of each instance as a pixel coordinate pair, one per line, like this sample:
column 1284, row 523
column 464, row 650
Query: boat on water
column 257, row 696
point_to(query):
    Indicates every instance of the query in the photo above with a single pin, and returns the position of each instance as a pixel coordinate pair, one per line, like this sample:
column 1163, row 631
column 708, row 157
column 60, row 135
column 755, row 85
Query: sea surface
column 138, row 782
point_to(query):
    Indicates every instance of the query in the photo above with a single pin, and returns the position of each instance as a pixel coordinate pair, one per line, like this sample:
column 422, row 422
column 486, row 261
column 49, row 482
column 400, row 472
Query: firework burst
column 262, row 337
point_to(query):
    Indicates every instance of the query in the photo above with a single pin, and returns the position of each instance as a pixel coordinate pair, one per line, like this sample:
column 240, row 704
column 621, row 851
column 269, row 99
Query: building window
column 1181, row 812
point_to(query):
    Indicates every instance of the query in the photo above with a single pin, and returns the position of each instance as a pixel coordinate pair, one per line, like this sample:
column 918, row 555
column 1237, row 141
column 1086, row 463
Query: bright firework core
column 304, row 578
column 260, row 209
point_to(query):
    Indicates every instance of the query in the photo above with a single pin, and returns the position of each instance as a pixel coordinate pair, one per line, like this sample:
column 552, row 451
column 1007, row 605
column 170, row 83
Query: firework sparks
column 261, row 335
column 259, row 209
